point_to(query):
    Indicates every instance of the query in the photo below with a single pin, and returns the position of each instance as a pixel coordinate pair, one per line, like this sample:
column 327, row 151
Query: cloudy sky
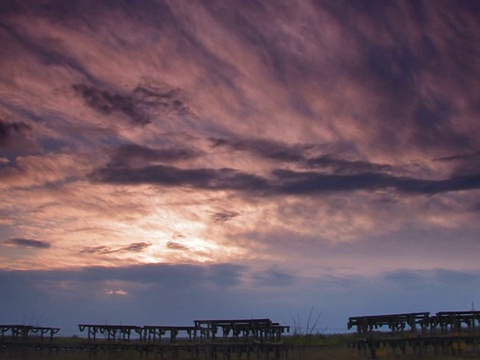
column 164, row 161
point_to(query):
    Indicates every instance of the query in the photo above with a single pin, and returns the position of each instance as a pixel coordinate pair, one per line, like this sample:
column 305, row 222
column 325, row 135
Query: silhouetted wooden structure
column 395, row 322
column 155, row 333
column 247, row 329
column 455, row 321
column 260, row 330
column 111, row 332
column 207, row 339
column 446, row 332
column 22, row 332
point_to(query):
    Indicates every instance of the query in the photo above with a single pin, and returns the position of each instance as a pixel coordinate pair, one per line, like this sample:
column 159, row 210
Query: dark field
column 314, row 347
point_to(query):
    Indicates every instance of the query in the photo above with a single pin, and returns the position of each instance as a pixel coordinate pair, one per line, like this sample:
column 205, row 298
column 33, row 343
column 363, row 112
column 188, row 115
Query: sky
column 166, row 161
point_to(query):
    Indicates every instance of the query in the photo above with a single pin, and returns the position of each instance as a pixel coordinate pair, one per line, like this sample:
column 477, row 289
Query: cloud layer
column 178, row 294
column 312, row 142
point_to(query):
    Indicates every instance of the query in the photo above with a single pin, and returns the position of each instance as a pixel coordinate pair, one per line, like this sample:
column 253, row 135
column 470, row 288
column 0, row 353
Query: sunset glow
column 238, row 158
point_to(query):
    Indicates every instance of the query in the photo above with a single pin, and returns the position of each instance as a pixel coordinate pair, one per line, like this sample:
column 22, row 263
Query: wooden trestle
column 261, row 330
column 23, row 332
column 445, row 332
column 206, row 339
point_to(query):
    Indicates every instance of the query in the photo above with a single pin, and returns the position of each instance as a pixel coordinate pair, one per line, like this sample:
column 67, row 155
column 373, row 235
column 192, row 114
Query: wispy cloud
column 137, row 153
column 139, row 106
column 223, row 216
column 281, row 182
column 9, row 131
column 133, row 247
column 173, row 245
column 27, row 243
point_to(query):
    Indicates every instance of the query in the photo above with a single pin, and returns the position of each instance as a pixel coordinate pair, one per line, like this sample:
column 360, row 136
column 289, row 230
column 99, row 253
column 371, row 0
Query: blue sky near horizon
column 163, row 161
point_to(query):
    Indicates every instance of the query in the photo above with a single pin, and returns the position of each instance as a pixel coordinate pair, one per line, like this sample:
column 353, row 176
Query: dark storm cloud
column 107, row 103
column 28, row 243
column 464, row 163
column 11, row 130
column 292, row 182
column 460, row 157
column 282, row 181
column 143, row 104
column 297, row 154
column 134, row 151
column 342, row 166
column 264, row 148
column 133, row 247
column 162, row 97
column 202, row 178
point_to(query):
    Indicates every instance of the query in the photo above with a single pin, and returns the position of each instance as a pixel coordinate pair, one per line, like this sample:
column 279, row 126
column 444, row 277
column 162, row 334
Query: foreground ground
column 299, row 354
column 313, row 347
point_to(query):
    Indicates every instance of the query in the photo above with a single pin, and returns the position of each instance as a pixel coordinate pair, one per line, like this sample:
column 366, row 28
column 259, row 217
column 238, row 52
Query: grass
column 306, row 347
column 313, row 353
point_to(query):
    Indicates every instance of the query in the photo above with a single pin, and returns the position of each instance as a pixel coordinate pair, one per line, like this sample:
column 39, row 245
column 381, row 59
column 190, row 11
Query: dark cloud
column 10, row 7
column 273, row 48
column 292, row 182
column 144, row 104
column 273, row 277
column 167, row 275
column 460, row 157
column 393, row 67
column 226, row 275
column 417, row 278
column 107, row 103
column 264, row 148
column 133, row 247
column 214, row 179
column 162, row 98
column 283, row 181
column 173, row 245
column 96, row 250
column 298, row 154
column 434, row 125
column 12, row 130
column 28, row 243
column 341, row 166
column 463, row 163
column 224, row 216
column 137, row 152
